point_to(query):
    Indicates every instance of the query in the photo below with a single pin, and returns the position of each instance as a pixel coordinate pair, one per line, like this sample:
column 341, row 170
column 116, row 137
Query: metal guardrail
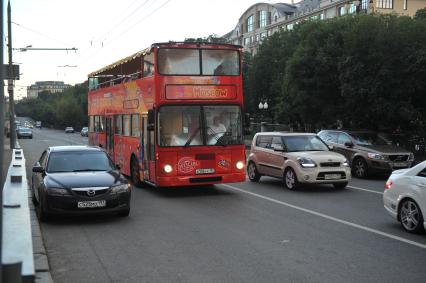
column 17, row 246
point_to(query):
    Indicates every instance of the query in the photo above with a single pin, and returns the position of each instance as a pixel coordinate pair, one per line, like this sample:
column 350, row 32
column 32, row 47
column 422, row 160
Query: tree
column 420, row 14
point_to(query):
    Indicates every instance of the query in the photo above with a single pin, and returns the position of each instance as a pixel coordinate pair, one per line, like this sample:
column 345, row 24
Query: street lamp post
column 262, row 106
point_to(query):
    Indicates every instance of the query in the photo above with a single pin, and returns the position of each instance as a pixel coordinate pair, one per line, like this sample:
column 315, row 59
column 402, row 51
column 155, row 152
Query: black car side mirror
column 38, row 169
column 349, row 144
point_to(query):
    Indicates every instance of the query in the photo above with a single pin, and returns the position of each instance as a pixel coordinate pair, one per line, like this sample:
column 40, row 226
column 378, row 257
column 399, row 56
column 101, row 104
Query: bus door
column 150, row 149
column 109, row 132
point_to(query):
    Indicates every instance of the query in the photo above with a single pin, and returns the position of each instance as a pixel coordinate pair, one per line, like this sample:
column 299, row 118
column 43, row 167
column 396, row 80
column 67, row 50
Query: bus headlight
column 168, row 168
column 240, row 165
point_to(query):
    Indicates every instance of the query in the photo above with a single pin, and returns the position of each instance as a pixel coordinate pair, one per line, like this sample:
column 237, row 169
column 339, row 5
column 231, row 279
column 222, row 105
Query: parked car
column 38, row 124
column 405, row 197
column 296, row 158
column 69, row 130
column 23, row 132
column 367, row 152
column 84, row 132
column 78, row 180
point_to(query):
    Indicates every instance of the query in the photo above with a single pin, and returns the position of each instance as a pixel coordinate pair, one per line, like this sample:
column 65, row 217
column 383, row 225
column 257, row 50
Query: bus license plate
column 90, row 204
column 204, row 171
column 332, row 176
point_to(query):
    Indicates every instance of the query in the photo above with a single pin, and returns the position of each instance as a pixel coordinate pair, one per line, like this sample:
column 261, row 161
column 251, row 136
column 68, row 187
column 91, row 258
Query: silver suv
column 296, row 158
column 367, row 152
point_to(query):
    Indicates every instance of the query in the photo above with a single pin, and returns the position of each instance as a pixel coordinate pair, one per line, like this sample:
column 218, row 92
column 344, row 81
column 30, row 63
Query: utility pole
column 10, row 80
column 2, row 108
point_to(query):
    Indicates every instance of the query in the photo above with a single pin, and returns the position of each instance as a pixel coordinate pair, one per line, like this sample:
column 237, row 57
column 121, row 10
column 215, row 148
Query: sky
column 105, row 31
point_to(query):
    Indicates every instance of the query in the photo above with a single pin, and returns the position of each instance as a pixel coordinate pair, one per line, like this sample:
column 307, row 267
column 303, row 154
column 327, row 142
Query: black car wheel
column 360, row 168
column 135, row 175
column 124, row 213
column 33, row 197
column 290, row 179
column 42, row 214
column 252, row 173
column 410, row 216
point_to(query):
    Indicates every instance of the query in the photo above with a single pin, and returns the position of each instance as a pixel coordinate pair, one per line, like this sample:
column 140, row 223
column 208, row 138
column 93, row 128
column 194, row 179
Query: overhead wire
column 114, row 26
column 96, row 52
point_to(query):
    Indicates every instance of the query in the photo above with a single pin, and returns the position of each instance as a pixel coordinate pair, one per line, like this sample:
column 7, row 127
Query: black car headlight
column 57, row 191
column 124, row 188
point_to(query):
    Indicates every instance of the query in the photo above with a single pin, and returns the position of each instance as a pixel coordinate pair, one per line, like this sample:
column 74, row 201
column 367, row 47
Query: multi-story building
column 49, row 86
column 263, row 19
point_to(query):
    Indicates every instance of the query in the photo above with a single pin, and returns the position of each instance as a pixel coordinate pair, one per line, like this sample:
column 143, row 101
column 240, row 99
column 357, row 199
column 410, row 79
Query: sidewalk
column 41, row 265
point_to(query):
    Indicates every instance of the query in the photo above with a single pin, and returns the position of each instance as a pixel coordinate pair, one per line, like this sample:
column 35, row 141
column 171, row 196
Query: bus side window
column 148, row 65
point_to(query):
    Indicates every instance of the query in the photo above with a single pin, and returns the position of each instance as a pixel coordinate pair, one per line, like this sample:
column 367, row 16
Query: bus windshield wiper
column 214, row 135
column 188, row 142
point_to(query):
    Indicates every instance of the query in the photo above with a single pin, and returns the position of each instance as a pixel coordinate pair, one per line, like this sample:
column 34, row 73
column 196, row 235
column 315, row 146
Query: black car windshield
column 304, row 143
column 78, row 161
column 368, row 139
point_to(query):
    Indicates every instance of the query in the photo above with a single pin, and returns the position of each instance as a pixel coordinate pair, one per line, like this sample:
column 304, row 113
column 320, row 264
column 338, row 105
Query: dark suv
column 367, row 152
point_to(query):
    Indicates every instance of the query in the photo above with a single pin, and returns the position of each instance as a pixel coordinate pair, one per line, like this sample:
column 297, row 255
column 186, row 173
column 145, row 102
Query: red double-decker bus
column 171, row 115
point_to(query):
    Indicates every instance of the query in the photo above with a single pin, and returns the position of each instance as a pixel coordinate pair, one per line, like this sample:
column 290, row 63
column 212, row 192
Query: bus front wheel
column 135, row 172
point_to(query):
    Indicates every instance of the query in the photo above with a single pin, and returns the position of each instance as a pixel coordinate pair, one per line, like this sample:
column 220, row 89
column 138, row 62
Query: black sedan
column 78, row 180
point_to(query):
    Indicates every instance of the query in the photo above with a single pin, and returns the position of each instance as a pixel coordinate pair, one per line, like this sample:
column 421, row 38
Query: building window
column 250, row 23
column 321, row 16
column 352, row 9
column 341, row 11
column 384, row 4
column 246, row 40
column 290, row 26
column 263, row 19
column 364, row 4
column 257, row 37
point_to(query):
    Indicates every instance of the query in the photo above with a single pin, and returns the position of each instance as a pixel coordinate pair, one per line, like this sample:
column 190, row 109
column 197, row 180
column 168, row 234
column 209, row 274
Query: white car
column 405, row 197
column 296, row 158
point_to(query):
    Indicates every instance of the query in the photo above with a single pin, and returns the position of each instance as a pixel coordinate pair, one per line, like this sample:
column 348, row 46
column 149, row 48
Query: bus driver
column 216, row 130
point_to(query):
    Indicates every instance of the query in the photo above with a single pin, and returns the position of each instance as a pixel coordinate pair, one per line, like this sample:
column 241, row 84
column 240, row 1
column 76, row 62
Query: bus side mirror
column 151, row 118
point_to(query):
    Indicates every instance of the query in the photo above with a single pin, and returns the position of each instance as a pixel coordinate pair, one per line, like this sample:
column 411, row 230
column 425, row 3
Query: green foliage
column 57, row 110
column 367, row 71
column 420, row 14
column 213, row 38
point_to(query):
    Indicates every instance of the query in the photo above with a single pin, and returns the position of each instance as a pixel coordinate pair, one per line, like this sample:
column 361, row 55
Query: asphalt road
column 244, row 232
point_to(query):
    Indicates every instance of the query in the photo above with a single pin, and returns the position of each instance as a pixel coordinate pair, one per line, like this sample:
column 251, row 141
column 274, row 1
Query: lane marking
column 361, row 227
column 365, row 190
column 352, row 187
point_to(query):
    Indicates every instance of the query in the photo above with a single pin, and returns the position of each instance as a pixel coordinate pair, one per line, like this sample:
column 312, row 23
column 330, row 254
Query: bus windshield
column 214, row 62
column 200, row 125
